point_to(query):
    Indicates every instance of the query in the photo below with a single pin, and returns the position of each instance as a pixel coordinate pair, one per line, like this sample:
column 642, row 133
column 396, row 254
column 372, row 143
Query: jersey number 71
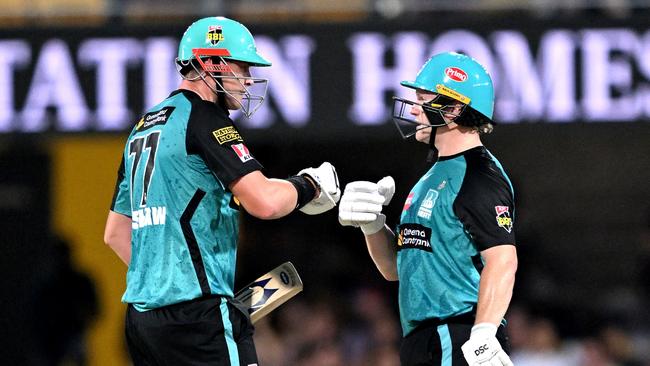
column 136, row 147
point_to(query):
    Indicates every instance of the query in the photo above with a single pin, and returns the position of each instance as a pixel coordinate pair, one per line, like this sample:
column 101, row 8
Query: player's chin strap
column 432, row 157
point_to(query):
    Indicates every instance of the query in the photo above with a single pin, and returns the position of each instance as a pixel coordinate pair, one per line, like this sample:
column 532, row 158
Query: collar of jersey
column 191, row 95
column 449, row 157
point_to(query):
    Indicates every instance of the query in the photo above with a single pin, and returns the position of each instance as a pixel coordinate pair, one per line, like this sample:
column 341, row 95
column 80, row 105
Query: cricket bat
column 270, row 291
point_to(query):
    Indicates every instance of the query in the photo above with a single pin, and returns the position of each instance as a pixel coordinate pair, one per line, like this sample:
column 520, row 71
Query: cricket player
column 453, row 252
column 186, row 172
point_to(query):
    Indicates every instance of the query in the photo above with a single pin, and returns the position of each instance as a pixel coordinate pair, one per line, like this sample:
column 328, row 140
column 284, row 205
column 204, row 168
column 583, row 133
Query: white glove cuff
column 375, row 226
column 484, row 330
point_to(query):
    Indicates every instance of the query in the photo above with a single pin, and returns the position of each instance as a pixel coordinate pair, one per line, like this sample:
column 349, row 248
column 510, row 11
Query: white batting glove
column 328, row 185
column 483, row 348
column 362, row 202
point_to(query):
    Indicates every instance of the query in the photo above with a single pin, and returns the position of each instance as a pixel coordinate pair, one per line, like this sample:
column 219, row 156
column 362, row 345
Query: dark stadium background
column 582, row 217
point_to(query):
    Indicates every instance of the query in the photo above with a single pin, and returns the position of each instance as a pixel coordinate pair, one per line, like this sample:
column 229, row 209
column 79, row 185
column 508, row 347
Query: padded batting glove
column 362, row 203
column 328, row 184
column 483, row 348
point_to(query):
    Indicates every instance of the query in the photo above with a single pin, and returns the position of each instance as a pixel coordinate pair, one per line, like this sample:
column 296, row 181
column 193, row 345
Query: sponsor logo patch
column 441, row 89
column 414, row 236
column 456, row 74
column 214, row 35
column 425, row 209
column 242, row 152
column 155, row 118
column 226, row 134
column 503, row 217
column 259, row 301
column 284, row 277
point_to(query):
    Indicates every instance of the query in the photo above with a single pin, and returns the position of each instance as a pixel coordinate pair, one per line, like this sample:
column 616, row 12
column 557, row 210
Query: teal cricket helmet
column 459, row 77
column 219, row 36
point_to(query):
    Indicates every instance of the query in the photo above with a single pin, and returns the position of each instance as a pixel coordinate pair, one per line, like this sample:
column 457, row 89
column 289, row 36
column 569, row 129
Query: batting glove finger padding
column 359, row 208
column 328, row 184
column 386, row 187
column 483, row 348
column 362, row 202
column 355, row 218
column 361, row 186
column 363, row 197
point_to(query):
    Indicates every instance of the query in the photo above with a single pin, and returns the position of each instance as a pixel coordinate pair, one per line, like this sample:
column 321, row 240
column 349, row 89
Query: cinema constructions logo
column 414, row 236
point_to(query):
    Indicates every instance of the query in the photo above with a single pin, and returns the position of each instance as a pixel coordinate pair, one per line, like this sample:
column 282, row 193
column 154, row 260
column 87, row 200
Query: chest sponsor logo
column 504, row 220
column 414, row 236
column 427, row 204
column 242, row 152
column 154, row 119
column 226, row 134
column 408, row 201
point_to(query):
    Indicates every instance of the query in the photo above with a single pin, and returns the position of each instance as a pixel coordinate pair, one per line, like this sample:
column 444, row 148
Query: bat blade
column 270, row 291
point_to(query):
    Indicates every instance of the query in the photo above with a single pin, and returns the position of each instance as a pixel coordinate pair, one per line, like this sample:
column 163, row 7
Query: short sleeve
column 121, row 198
column 212, row 136
column 485, row 205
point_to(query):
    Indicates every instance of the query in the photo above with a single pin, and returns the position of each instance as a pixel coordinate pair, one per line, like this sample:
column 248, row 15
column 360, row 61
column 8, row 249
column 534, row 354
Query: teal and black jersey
column 178, row 163
column 463, row 205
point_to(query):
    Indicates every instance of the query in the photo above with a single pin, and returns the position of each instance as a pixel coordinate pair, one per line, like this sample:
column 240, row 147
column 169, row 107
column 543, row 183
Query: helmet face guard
column 253, row 94
column 440, row 111
column 446, row 107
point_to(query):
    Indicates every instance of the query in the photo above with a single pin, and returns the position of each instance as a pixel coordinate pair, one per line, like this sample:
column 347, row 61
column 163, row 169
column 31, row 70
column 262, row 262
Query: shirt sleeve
column 485, row 205
column 220, row 145
column 121, row 198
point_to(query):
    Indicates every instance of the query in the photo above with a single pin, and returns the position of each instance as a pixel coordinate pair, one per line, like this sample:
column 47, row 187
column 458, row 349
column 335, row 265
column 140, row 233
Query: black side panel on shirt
column 485, row 202
column 120, row 178
column 212, row 135
column 192, row 245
